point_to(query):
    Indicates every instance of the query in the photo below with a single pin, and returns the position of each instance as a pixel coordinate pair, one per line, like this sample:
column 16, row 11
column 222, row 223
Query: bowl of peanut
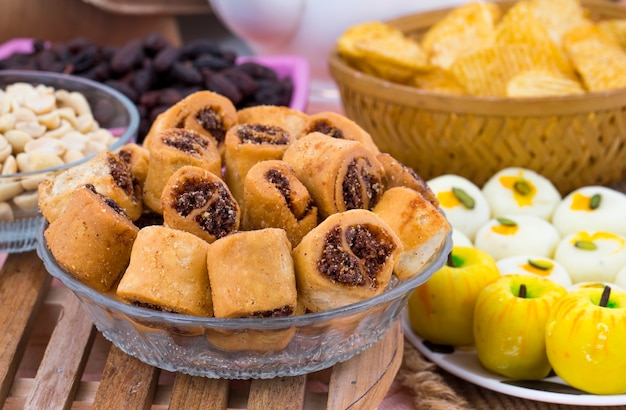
column 50, row 122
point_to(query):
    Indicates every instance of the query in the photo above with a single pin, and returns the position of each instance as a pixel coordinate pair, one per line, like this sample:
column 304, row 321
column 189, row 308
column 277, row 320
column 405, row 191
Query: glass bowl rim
column 128, row 105
column 401, row 288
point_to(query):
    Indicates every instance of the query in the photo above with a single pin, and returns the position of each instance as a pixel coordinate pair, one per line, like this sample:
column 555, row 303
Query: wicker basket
column 575, row 140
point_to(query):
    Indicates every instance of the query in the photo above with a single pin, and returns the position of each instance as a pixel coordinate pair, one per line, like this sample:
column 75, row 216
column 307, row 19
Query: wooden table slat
column 65, row 357
column 23, row 287
column 194, row 391
column 126, row 383
column 278, row 393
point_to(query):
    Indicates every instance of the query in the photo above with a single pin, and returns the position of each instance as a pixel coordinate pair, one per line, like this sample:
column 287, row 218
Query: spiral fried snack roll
column 274, row 198
column 397, row 174
column 339, row 174
column 92, row 238
column 106, row 172
column 247, row 144
column 419, row 225
column 172, row 149
column 347, row 258
column 338, row 126
column 252, row 274
column 204, row 112
column 198, row 201
column 138, row 159
column 168, row 272
column 293, row 121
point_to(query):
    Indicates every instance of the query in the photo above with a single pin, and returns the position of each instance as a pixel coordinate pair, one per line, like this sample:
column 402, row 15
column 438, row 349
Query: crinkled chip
column 487, row 71
column 559, row 16
column 382, row 50
column 597, row 56
column 462, row 30
column 539, row 83
column 438, row 80
column 520, row 26
column 615, row 28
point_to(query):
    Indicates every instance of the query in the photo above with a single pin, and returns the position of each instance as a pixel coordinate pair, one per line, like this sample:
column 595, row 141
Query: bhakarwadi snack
column 168, row 272
column 198, row 201
column 172, row 149
column 339, row 174
column 106, row 172
column 205, row 112
column 273, row 197
column 338, row 126
column 248, row 144
column 286, row 118
column 92, row 238
column 347, row 258
column 252, row 274
column 138, row 159
column 398, row 174
column 419, row 225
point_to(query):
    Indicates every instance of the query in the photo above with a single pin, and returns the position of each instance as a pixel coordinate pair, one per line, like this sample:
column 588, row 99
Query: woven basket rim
column 346, row 76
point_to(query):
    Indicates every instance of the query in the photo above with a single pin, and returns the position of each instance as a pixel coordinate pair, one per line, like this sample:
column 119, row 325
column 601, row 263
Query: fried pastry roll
column 347, row 258
column 92, row 238
column 137, row 158
column 293, row 121
column 398, row 174
column 421, row 227
column 109, row 175
column 252, row 274
column 338, row 126
column 204, row 112
column 198, row 201
column 339, row 174
column 172, row 149
column 247, row 144
column 168, row 272
column 273, row 197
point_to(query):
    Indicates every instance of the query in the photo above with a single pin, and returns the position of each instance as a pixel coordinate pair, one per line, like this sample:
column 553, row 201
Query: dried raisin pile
column 155, row 74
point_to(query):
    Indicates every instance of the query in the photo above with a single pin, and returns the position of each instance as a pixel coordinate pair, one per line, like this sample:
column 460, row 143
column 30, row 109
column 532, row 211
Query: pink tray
column 297, row 68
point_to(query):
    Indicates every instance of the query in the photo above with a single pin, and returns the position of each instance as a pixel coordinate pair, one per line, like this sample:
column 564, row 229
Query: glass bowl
column 19, row 213
column 243, row 348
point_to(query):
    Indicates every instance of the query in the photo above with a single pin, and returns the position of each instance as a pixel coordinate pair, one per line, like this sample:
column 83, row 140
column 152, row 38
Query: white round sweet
column 462, row 201
column 512, row 235
column 535, row 265
column 620, row 278
column 591, row 208
column 521, row 191
column 460, row 239
column 581, row 285
column 592, row 256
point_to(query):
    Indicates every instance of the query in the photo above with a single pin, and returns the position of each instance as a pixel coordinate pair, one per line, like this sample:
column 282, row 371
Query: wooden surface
column 52, row 357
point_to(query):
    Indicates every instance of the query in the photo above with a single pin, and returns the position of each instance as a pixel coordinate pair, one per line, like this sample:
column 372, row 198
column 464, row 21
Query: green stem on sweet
column 522, row 291
column 604, row 299
column 450, row 261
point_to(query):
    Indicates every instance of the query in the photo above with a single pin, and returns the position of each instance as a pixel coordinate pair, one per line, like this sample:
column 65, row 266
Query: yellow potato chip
column 462, row 30
column 598, row 58
column 520, row 26
column 539, row 83
column 487, row 71
column 615, row 28
column 382, row 50
column 559, row 16
column 439, row 80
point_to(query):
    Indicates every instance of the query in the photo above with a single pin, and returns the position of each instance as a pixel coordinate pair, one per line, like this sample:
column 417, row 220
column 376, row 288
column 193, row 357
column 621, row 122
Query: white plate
column 464, row 363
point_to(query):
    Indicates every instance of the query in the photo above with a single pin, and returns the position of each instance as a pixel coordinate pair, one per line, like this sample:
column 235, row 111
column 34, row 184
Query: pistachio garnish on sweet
column 506, row 222
column 539, row 264
column 594, row 201
column 464, row 198
column 586, row 245
column 522, row 187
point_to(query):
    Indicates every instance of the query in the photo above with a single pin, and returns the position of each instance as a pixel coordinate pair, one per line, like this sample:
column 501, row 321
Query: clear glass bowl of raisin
column 243, row 348
column 50, row 122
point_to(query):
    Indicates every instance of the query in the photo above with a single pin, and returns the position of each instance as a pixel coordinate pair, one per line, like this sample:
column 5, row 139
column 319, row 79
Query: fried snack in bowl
column 538, row 83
